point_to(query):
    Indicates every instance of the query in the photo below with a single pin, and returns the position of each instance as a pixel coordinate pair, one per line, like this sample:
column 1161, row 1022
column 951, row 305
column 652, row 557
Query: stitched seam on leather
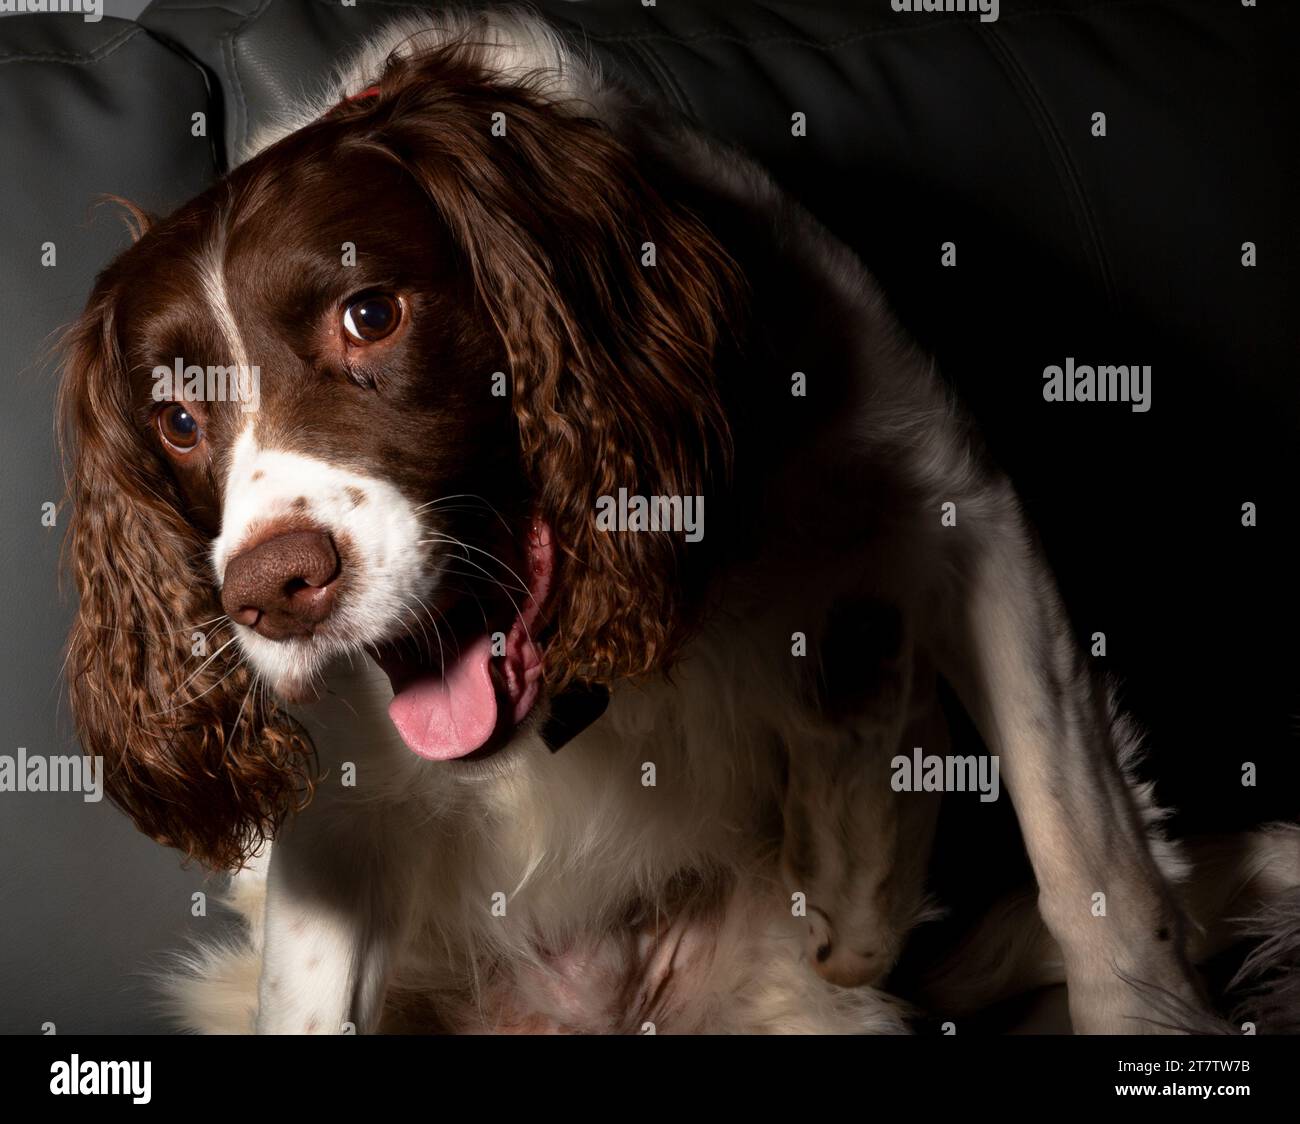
column 241, row 125
column 218, row 8
column 667, row 87
column 661, row 89
column 78, row 58
column 215, row 107
column 1054, row 140
column 679, row 91
column 232, row 63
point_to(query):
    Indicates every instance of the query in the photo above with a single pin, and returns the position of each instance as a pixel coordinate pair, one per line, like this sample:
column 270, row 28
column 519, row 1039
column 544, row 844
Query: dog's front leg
column 331, row 924
column 1007, row 648
column 343, row 873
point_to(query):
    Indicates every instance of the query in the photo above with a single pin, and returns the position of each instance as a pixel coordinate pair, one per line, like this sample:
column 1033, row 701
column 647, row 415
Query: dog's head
column 362, row 396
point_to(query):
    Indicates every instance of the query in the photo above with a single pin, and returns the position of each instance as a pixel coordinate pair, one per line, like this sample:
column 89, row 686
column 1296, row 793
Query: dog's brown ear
column 192, row 751
column 612, row 302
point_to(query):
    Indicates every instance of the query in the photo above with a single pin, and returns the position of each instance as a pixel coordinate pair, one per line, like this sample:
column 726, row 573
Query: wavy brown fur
column 193, row 752
column 613, row 361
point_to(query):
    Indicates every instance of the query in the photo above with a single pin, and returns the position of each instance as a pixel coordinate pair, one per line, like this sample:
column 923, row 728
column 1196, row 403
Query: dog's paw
column 848, row 957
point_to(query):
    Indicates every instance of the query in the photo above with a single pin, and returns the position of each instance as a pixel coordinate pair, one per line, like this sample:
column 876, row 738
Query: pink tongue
column 443, row 717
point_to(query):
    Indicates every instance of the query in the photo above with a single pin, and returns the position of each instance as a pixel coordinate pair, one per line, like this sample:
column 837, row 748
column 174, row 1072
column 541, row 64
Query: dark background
column 921, row 129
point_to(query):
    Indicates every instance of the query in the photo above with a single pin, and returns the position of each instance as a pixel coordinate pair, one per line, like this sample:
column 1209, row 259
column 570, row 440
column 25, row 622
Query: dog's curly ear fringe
column 193, row 752
column 612, row 360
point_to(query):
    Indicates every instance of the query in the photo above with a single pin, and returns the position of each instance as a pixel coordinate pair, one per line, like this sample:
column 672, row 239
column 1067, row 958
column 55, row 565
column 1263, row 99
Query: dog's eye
column 371, row 318
column 180, row 430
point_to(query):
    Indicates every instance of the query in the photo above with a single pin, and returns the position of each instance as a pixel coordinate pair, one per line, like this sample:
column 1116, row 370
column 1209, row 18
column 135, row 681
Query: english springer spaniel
column 527, row 768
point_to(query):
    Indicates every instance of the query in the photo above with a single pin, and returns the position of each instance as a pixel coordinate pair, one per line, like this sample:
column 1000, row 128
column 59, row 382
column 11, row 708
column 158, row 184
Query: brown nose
column 284, row 586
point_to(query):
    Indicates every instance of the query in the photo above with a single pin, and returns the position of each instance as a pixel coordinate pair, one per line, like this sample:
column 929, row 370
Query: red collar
column 368, row 92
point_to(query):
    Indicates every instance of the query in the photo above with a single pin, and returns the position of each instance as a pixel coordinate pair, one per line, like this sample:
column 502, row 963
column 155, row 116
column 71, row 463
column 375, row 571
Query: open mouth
column 471, row 697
